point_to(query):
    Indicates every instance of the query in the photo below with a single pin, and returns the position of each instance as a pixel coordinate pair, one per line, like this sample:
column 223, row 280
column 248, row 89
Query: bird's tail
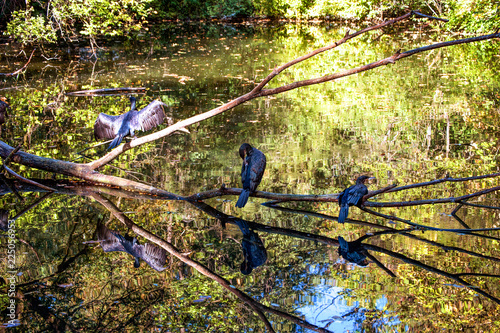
column 242, row 200
column 116, row 141
column 344, row 211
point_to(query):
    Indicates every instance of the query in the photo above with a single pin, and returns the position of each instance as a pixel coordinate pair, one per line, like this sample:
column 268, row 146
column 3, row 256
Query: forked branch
column 259, row 90
column 88, row 171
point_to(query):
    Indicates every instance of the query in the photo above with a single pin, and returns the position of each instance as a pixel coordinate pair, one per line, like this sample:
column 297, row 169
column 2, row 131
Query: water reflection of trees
column 136, row 303
column 132, row 306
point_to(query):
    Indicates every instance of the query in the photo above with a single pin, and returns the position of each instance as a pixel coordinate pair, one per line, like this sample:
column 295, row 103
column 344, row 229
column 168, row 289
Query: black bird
column 351, row 196
column 252, row 170
column 117, row 127
column 112, row 241
column 254, row 252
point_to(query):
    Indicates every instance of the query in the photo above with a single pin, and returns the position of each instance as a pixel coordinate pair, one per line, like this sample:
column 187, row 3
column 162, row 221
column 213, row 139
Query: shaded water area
column 427, row 117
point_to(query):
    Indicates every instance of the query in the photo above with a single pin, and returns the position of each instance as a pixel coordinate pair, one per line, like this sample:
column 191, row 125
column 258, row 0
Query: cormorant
column 352, row 196
column 252, row 170
column 110, row 241
column 117, row 127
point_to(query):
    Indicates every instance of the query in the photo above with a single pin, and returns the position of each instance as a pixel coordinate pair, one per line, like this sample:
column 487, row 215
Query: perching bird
column 352, row 196
column 252, row 170
column 254, row 252
column 112, row 241
column 117, row 127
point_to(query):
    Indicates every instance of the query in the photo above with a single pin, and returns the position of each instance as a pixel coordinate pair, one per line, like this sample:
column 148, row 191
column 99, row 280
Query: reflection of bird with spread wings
column 111, row 241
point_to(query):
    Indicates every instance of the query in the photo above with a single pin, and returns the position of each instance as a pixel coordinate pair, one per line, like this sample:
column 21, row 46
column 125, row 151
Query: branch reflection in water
column 360, row 251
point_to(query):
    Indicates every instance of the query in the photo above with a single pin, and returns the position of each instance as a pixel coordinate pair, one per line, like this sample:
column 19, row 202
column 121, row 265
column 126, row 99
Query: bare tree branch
column 26, row 180
column 20, row 69
column 442, row 180
column 258, row 91
column 256, row 306
column 424, row 227
column 107, row 91
column 432, row 201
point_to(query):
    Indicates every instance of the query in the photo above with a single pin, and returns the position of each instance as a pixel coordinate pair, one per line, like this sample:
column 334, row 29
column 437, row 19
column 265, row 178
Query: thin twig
column 442, row 180
column 33, row 205
column 432, row 201
column 479, row 206
column 26, row 180
column 13, row 152
column 424, row 227
column 379, row 264
column 20, row 69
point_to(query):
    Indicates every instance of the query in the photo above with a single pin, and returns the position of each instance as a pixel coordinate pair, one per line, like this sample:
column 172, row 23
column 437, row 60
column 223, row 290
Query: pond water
column 427, row 117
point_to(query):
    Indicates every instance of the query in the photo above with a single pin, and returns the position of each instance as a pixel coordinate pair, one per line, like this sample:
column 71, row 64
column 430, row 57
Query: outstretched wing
column 108, row 240
column 152, row 115
column 154, row 256
column 106, row 126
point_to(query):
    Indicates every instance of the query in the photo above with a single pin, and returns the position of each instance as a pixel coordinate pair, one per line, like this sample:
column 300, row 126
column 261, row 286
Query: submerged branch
column 107, row 91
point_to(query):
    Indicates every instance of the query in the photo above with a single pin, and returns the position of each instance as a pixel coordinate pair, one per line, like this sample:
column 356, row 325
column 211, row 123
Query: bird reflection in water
column 4, row 220
column 254, row 252
column 4, row 106
column 352, row 251
column 111, row 241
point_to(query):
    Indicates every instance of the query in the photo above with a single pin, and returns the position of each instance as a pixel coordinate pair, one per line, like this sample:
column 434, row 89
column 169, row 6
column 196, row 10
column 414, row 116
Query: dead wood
column 20, row 69
column 256, row 306
column 107, row 91
column 259, row 90
column 88, row 171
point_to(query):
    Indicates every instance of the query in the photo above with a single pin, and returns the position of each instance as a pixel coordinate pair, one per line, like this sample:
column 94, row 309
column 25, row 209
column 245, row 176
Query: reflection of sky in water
column 328, row 307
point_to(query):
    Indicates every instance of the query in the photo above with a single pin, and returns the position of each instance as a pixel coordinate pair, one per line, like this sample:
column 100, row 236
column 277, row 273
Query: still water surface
column 421, row 119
